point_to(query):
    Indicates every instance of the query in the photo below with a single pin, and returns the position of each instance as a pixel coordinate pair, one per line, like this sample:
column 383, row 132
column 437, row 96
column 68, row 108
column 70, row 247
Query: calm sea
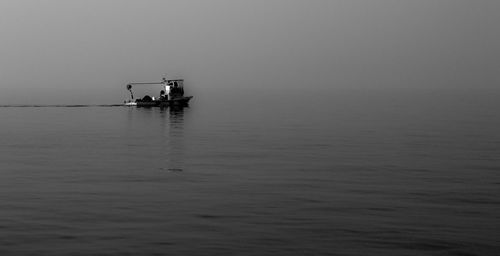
column 255, row 173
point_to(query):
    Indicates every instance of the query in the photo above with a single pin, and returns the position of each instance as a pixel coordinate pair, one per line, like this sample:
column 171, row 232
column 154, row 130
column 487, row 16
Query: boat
column 172, row 94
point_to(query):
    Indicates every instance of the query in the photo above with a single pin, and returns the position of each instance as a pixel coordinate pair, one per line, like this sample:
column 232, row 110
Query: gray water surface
column 348, row 173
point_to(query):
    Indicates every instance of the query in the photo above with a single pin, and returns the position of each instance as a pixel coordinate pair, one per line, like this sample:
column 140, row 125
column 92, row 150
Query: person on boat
column 167, row 88
column 162, row 95
column 175, row 90
column 176, row 87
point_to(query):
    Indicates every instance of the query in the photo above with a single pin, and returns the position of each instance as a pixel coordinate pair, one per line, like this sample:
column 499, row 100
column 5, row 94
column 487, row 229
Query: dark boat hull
column 180, row 101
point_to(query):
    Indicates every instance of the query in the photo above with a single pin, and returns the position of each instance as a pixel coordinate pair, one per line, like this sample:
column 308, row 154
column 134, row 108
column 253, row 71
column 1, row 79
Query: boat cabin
column 174, row 88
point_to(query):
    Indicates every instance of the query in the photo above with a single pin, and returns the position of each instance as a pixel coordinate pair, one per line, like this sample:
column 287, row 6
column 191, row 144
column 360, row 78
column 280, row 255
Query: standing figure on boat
column 167, row 88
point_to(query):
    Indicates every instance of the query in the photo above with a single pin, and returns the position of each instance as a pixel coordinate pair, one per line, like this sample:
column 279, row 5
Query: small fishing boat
column 172, row 94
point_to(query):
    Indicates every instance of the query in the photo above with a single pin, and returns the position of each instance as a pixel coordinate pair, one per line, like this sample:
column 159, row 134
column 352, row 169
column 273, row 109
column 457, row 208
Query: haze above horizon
column 86, row 51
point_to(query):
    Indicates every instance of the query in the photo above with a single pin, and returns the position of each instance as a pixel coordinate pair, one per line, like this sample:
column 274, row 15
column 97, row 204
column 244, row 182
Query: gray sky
column 86, row 51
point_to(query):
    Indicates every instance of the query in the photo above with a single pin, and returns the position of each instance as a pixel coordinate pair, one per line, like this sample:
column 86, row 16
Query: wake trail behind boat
column 61, row 106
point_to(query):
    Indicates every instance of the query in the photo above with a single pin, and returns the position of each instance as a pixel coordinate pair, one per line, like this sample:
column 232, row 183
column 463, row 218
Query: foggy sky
column 86, row 51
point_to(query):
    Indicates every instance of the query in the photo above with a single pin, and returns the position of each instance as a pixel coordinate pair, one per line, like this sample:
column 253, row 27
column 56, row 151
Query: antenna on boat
column 129, row 87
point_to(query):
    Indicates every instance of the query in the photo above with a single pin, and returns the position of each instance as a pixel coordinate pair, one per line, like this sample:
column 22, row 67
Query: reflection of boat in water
column 171, row 95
